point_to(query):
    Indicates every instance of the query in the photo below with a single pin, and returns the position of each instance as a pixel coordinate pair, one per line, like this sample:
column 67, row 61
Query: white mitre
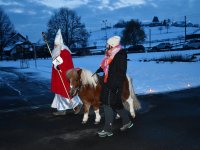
column 59, row 45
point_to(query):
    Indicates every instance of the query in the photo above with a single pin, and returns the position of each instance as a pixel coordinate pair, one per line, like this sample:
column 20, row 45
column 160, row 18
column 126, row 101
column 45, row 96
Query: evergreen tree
column 155, row 19
column 133, row 33
column 120, row 24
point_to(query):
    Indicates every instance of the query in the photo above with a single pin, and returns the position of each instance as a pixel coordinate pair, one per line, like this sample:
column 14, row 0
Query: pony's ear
column 79, row 71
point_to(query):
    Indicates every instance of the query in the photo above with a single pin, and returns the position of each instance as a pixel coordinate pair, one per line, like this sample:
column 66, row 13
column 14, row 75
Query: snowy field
column 148, row 77
column 98, row 37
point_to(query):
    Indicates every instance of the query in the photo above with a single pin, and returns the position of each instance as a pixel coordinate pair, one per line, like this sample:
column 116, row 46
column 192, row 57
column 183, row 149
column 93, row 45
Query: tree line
column 73, row 30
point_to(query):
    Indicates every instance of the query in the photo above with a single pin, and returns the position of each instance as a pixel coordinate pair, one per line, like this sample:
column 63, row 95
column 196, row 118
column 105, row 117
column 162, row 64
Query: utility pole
column 35, row 56
column 185, row 28
column 149, row 38
column 105, row 23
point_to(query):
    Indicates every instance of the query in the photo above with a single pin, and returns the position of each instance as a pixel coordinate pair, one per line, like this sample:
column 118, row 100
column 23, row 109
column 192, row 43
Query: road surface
column 167, row 121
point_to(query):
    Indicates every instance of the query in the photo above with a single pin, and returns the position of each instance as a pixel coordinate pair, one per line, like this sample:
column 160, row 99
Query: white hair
column 87, row 78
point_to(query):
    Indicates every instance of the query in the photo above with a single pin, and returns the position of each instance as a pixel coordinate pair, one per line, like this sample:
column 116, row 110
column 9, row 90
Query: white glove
column 57, row 61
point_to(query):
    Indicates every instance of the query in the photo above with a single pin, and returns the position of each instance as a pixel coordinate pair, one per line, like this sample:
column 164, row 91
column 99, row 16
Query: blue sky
column 30, row 17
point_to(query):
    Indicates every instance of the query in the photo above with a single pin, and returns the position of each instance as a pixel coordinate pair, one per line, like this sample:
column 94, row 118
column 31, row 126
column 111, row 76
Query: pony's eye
column 76, row 80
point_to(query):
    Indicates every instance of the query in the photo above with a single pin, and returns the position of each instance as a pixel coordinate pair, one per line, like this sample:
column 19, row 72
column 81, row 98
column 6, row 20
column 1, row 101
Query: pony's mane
column 87, row 78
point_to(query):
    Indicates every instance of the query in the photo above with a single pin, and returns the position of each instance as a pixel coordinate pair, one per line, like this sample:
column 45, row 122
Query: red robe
column 56, row 83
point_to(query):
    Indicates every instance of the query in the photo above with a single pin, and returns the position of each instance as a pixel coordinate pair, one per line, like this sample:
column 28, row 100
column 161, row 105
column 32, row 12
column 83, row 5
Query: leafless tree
column 6, row 30
column 73, row 31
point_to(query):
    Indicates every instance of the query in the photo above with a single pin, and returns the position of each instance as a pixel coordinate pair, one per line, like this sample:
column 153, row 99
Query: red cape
column 56, row 83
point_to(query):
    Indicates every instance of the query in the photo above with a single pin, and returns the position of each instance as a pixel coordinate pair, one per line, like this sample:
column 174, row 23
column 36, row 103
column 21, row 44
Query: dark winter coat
column 111, row 91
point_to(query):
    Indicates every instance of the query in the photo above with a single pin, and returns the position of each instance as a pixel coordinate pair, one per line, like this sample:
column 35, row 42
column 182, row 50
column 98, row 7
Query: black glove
column 58, row 68
column 97, row 71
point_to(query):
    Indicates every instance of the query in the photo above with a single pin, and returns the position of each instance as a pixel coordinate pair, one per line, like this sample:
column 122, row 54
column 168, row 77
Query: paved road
column 19, row 90
column 167, row 121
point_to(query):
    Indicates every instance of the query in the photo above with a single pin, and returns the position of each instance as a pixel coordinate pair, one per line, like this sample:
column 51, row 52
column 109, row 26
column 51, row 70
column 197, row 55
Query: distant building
column 190, row 24
column 151, row 24
column 178, row 23
column 18, row 47
column 146, row 23
column 41, row 50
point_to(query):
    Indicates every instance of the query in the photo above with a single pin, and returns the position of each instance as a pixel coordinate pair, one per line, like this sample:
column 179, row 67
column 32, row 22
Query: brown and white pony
column 88, row 87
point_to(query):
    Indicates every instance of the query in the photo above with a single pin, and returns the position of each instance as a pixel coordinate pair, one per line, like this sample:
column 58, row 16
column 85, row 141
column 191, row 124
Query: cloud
column 48, row 12
column 9, row 3
column 127, row 3
column 21, row 11
column 16, row 10
column 104, row 4
column 154, row 5
column 95, row 4
column 62, row 3
column 113, row 5
column 31, row 12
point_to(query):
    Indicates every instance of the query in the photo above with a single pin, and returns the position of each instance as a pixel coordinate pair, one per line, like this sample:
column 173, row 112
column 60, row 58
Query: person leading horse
column 114, row 66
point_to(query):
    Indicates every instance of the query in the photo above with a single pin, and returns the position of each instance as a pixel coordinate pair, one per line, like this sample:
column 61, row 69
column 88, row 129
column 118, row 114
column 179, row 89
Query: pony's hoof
column 84, row 122
column 133, row 116
column 117, row 116
column 96, row 122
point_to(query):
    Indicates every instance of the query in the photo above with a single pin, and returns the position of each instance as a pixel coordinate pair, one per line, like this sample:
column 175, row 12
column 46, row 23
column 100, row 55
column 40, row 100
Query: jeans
column 109, row 117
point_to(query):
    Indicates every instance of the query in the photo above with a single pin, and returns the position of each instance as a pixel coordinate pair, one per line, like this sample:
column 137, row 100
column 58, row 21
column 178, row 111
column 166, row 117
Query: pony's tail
column 136, row 103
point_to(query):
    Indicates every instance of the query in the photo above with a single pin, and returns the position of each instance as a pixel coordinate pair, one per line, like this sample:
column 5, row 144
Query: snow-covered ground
column 148, row 77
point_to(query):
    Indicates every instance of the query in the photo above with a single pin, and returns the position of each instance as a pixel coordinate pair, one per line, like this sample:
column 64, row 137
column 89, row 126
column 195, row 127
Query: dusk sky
column 30, row 17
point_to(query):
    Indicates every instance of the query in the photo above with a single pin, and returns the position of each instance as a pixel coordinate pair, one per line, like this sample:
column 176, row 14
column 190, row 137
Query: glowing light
column 151, row 91
column 188, row 85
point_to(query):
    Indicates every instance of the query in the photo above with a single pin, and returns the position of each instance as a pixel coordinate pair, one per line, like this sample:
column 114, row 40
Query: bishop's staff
column 45, row 39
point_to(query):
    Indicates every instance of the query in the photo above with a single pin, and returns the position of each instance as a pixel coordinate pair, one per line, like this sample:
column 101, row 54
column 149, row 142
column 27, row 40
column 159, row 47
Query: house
column 41, row 50
column 178, row 23
column 18, row 47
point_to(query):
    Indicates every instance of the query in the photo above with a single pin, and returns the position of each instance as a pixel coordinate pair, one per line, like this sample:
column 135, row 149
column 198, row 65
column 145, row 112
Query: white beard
column 56, row 52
